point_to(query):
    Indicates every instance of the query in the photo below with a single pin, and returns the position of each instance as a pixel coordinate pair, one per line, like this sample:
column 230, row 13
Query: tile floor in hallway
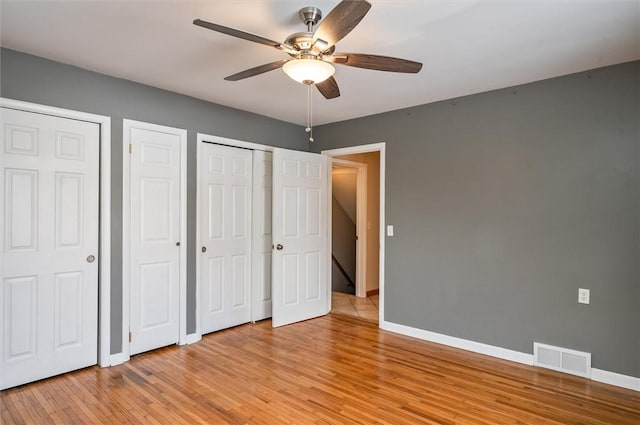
column 350, row 305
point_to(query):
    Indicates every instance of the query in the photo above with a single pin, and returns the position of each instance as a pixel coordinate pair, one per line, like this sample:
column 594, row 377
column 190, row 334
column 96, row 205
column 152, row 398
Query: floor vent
column 562, row 359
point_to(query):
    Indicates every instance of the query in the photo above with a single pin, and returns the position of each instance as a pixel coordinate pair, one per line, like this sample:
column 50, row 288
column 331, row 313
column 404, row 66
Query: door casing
column 374, row 147
column 127, row 125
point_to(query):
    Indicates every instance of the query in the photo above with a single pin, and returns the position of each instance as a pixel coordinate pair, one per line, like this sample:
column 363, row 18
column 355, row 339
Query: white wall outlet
column 390, row 230
column 584, row 296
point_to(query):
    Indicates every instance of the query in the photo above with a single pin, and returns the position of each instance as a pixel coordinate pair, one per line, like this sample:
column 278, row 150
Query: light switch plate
column 390, row 230
column 584, row 296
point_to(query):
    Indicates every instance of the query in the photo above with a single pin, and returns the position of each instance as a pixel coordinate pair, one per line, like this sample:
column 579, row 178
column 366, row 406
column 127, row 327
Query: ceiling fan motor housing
column 300, row 40
column 303, row 41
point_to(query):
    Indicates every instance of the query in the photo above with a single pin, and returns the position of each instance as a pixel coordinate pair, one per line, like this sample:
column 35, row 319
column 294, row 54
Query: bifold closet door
column 49, row 268
column 225, row 234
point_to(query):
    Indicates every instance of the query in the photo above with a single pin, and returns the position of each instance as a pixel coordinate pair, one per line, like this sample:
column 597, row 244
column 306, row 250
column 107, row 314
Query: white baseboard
column 616, row 379
column 193, row 338
column 599, row 375
column 118, row 358
column 476, row 347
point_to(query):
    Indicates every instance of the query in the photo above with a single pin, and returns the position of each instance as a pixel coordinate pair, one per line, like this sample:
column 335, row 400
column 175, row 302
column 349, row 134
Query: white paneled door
column 300, row 282
column 154, row 236
column 225, row 236
column 261, row 240
column 49, row 295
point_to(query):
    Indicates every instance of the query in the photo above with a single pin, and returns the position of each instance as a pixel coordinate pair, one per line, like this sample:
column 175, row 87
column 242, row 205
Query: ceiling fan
column 312, row 53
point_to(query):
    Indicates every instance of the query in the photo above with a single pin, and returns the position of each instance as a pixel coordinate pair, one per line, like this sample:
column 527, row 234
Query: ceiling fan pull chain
column 310, row 112
column 308, row 107
column 309, row 128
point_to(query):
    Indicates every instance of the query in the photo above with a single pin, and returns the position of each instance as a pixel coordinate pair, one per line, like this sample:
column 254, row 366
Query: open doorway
column 348, row 218
column 355, row 235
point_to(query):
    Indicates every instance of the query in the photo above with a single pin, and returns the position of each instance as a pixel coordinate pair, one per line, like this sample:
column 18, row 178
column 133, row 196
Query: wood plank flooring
column 332, row 370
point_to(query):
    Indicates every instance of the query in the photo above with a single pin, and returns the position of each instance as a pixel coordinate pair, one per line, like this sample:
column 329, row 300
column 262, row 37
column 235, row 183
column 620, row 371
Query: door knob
column 204, row 249
column 91, row 259
column 279, row 247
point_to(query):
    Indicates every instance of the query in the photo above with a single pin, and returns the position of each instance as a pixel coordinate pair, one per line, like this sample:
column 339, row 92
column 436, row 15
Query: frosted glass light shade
column 308, row 70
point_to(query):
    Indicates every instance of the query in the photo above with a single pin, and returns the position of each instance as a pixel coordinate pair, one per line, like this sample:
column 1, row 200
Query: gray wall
column 33, row 79
column 505, row 203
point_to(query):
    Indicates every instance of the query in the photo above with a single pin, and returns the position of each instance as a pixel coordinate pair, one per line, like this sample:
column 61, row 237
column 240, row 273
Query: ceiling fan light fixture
column 308, row 71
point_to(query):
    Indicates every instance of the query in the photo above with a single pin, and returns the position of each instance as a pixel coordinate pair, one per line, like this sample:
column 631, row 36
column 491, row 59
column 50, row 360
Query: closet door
column 154, row 237
column 261, row 241
column 225, row 234
column 300, row 279
column 49, row 267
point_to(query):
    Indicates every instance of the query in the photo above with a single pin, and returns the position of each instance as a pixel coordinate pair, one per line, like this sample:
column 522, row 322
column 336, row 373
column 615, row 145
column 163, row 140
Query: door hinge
column 130, row 148
column 130, row 337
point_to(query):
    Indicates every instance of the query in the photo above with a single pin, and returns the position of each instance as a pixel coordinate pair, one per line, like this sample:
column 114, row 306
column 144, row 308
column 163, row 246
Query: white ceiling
column 466, row 46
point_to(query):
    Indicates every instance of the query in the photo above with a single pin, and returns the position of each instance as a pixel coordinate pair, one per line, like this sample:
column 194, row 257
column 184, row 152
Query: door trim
column 104, row 232
column 374, row 147
column 200, row 139
column 127, row 126
column 361, row 221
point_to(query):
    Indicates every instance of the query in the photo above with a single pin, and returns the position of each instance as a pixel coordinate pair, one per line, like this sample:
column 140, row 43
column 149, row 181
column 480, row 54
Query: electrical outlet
column 584, row 296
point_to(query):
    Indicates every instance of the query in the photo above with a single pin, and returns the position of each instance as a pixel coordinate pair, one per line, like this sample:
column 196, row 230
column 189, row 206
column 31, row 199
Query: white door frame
column 361, row 220
column 104, row 257
column 208, row 138
column 127, row 125
column 374, row 147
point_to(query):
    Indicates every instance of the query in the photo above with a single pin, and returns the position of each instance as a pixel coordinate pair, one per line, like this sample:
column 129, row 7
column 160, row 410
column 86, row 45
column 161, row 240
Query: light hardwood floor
column 331, row 370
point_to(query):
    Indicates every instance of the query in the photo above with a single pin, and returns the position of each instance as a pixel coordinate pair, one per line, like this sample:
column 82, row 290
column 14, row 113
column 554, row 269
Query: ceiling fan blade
column 329, row 88
column 243, row 35
column 379, row 63
column 257, row 70
column 340, row 21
